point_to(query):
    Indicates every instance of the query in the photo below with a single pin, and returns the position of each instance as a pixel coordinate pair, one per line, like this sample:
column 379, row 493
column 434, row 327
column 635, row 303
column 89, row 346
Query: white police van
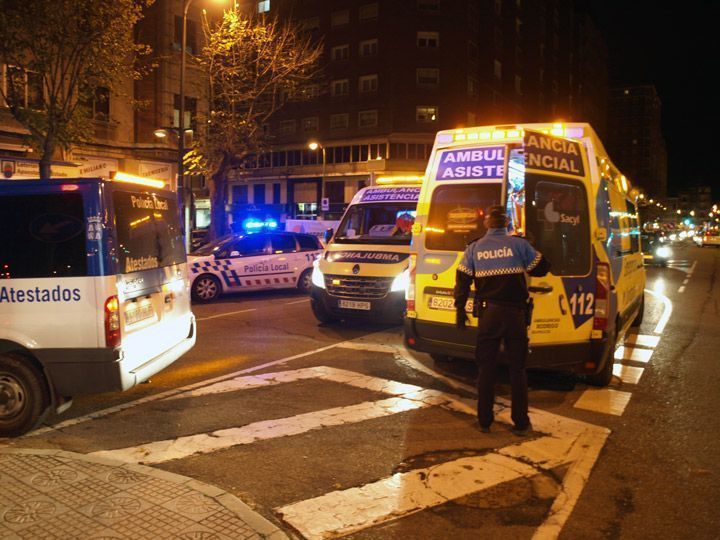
column 253, row 262
column 363, row 272
column 94, row 293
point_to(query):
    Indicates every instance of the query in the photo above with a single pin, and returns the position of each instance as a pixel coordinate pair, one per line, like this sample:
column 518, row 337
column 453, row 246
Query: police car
column 253, row 262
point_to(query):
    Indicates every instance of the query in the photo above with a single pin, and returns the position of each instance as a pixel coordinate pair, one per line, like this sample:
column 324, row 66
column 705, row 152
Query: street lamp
column 314, row 145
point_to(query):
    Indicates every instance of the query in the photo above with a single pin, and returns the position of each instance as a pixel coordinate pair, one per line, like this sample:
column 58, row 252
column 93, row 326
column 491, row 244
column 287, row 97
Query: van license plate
column 138, row 314
column 354, row 304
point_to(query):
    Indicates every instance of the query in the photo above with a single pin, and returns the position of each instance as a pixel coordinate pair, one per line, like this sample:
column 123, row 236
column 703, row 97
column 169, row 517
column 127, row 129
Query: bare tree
column 252, row 65
column 58, row 54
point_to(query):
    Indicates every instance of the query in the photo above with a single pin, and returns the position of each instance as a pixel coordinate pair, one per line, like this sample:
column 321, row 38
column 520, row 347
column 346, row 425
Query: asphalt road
column 337, row 430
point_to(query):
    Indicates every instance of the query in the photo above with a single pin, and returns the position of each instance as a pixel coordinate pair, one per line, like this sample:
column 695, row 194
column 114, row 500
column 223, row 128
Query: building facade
column 636, row 143
column 397, row 72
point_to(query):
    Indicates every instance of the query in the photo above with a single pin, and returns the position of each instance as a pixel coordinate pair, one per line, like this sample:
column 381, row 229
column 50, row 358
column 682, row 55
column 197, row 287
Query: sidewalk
column 57, row 494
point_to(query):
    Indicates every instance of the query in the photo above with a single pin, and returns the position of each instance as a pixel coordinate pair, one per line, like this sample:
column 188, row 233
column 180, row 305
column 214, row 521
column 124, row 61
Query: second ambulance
column 363, row 273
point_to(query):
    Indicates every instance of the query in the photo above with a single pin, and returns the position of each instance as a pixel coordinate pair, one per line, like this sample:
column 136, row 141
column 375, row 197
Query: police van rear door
column 557, row 223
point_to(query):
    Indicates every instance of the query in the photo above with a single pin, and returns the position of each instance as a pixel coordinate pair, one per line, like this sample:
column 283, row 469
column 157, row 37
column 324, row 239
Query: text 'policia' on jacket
column 562, row 193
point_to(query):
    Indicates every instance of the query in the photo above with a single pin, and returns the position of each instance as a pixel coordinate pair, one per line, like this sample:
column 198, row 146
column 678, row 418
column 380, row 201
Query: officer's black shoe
column 521, row 432
column 485, row 429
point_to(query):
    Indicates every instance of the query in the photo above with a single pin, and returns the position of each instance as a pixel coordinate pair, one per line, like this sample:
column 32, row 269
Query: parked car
column 252, row 262
column 655, row 251
column 710, row 238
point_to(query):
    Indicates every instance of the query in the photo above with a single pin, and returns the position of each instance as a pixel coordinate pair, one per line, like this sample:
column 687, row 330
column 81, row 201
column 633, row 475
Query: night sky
column 675, row 47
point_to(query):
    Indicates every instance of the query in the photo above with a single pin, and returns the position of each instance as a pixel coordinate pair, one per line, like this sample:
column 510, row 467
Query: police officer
column 498, row 264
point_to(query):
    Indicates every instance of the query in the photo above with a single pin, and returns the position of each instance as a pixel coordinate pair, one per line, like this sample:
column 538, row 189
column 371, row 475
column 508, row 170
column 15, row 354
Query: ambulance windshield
column 377, row 223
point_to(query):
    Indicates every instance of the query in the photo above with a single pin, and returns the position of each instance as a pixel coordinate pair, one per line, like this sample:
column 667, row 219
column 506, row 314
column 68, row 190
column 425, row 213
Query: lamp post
column 314, row 145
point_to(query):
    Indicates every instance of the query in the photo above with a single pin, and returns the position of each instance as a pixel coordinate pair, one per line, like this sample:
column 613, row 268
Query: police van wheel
column 305, row 282
column 604, row 376
column 206, row 288
column 23, row 396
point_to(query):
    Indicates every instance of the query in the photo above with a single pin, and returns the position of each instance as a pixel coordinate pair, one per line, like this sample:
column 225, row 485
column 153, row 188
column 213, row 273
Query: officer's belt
column 500, row 303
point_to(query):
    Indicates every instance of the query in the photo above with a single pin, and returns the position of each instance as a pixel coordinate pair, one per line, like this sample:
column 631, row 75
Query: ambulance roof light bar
column 501, row 133
column 390, row 180
column 118, row 176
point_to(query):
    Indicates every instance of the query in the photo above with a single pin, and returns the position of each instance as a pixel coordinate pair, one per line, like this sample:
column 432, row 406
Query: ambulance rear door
column 557, row 223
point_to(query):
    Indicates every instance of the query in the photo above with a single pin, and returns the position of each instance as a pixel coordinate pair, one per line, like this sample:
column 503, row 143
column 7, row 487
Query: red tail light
column 410, row 291
column 112, row 322
column 602, row 296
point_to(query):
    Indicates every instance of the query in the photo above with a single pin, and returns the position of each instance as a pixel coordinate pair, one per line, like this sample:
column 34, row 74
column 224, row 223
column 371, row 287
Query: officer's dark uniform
column 497, row 263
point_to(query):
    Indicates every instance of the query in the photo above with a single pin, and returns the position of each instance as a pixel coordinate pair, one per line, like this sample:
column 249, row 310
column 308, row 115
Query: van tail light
column 112, row 322
column 602, row 296
column 410, row 291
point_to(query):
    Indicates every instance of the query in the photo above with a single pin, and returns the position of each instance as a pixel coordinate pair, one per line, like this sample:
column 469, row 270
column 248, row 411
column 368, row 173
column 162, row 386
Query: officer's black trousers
column 502, row 323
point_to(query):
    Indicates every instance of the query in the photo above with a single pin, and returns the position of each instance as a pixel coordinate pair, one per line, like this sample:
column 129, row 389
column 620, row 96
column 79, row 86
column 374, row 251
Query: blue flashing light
column 255, row 225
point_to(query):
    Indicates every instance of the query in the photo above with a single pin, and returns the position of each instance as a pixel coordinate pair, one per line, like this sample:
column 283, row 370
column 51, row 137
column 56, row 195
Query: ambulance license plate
column 442, row 302
column 354, row 304
column 138, row 314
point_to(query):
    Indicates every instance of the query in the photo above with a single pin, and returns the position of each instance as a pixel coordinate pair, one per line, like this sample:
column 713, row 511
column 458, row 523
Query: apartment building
column 397, row 72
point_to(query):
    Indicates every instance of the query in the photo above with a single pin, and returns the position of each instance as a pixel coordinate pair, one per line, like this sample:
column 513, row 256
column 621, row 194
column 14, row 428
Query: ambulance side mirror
column 328, row 234
column 601, row 234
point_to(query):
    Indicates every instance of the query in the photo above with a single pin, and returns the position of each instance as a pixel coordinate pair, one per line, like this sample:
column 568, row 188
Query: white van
column 363, row 272
column 94, row 295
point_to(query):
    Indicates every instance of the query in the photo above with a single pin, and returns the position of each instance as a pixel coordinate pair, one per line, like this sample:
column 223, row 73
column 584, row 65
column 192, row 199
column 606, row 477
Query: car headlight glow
column 663, row 252
column 318, row 279
column 401, row 281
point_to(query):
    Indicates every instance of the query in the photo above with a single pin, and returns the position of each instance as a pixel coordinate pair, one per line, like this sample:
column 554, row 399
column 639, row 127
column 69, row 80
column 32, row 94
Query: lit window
column 368, row 83
column 23, row 88
column 339, row 18
column 340, row 52
column 263, row 6
column 368, row 12
column 368, row 47
column 428, row 40
column 309, row 92
column 426, row 114
column 428, row 76
column 340, row 87
column 339, row 121
column 368, row 118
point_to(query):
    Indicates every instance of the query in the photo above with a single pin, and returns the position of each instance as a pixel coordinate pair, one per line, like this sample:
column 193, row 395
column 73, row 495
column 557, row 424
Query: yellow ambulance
column 566, row 197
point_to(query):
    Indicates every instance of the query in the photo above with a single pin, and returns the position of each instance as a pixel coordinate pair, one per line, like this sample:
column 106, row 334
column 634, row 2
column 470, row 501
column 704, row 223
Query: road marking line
column 205, row 443
column 642, row 340
column 692, row 268
column 666, row 312
column 226, row 314
column 604, row 400
column 628, row 374
column 296, row 302
column 170, row 393
column 633, row 354
column 344, row 512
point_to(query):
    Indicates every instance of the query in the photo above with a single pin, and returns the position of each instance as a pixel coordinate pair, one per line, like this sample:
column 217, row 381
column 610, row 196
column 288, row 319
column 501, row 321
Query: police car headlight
column 401, row 281
column 663, row 252
column 317, row 276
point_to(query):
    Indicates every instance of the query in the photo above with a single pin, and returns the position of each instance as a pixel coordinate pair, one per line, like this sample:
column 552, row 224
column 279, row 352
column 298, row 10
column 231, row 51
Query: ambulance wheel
column 604, row 376
column 305, row 282
column 23, row 396
column 206, row 288
column 637, row 321
column 321, row 314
